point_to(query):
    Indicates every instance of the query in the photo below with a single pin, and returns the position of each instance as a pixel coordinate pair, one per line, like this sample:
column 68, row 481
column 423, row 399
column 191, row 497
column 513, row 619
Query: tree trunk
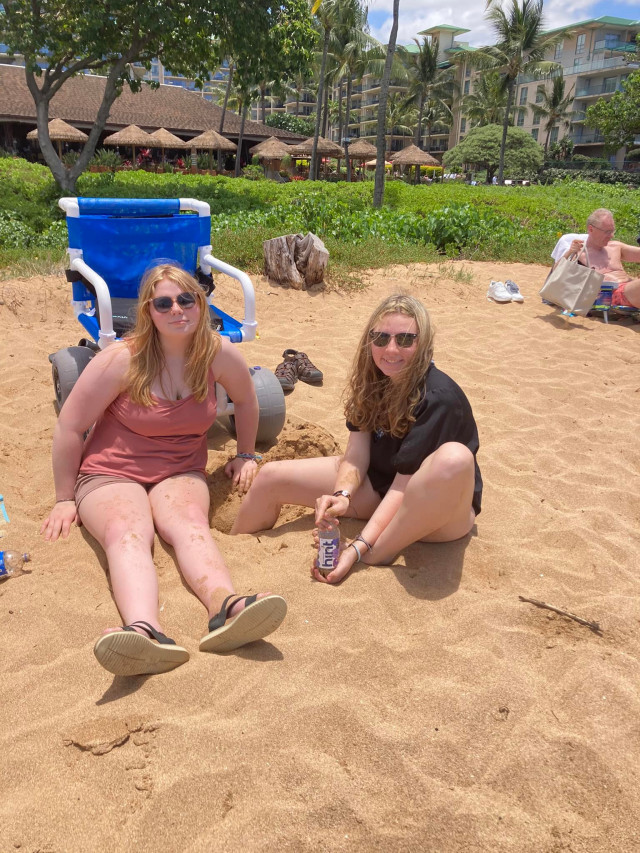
column 66, row 178
column 419, row 127
column 224, row 110
column 378, row 192
column 346, row 128
column 313, row 166
column 263, row 102
column 325, row 111
column 505, row 127
column 243, row 112
column 294, row 260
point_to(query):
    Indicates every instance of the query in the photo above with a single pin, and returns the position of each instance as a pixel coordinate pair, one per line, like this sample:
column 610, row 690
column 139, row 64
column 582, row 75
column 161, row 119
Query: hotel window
column 534, row 133
column 523, row 95
column 580, row 42
column 463, row 125
column 466, row 87
column 557, row 56
column 540, row 95
column 536, row 118
column 554, row 135
column 520, row 121
column 609, row 84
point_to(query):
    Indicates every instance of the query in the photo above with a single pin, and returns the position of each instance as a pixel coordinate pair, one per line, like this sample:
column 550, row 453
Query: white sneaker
column 513, row 290
column 498, row 292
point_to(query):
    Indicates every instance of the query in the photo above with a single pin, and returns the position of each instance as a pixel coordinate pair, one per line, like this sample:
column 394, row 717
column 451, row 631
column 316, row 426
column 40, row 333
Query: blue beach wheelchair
column 112, row 242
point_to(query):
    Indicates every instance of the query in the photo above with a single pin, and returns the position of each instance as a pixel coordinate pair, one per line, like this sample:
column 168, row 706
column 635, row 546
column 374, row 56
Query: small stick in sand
column 595, row 626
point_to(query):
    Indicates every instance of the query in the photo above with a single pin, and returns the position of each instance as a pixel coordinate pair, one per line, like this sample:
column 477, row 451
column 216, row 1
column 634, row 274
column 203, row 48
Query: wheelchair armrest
column 249, row 324
column 106, row 334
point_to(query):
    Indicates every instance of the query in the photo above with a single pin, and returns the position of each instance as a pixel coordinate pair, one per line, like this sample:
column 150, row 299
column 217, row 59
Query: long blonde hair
column 372, row 400
column 147, row 356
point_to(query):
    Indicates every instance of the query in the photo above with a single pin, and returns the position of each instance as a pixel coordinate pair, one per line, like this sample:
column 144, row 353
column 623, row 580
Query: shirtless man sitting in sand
column 606, row 256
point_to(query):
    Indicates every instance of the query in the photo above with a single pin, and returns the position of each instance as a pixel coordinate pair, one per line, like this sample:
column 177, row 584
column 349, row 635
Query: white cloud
column 469, row 15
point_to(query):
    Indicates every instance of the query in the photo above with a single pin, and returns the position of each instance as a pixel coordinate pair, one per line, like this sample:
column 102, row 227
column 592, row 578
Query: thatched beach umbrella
column 326, row 148
column 362, row 150
column 270, row 152
column 270, row 149
column 60, row 131
column 413, row 156
column 133, row 136
column 165, row 139
column 210, row 141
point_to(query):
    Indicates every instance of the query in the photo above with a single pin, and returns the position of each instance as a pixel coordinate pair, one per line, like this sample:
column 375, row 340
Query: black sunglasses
column 382, row 339
column 163, row 304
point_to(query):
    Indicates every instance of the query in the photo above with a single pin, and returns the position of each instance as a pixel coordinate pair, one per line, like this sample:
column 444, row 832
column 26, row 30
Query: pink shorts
column 618, row 296
column 87, row 483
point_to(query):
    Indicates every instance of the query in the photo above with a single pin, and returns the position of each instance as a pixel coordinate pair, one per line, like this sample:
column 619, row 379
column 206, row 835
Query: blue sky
column 416, row 15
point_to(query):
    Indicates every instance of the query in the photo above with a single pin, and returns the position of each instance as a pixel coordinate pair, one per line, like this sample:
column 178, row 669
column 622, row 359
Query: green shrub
column 106, row 157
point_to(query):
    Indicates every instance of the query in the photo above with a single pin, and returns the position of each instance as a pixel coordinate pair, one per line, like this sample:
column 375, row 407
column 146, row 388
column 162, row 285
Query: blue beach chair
column 112, row 242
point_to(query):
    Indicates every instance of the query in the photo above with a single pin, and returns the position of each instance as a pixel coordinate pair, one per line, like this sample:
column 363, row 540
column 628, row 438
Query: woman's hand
column 328, row 508
column 58, row 522
column 346, row 560
column 242, row 472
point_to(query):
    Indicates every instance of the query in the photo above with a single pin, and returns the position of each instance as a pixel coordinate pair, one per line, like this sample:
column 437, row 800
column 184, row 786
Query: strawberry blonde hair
column 147, row 356
column 372, row 400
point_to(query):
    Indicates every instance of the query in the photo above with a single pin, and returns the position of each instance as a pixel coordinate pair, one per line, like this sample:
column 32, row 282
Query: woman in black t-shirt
column 410, row 464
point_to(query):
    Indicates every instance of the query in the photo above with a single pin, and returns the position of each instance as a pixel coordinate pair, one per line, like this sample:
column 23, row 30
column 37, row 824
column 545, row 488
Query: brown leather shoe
column 287, row 370
column 307, row 372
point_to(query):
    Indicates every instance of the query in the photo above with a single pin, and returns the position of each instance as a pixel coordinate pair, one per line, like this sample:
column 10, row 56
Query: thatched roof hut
column 60, row 131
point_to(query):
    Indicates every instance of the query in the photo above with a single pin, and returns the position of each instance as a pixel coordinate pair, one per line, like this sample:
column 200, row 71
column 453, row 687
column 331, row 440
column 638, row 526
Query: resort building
column 593, row 65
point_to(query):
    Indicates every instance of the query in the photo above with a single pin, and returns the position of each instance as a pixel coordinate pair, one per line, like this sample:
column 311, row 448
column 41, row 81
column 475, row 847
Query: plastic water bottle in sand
column 11, row 563
column 328, row 549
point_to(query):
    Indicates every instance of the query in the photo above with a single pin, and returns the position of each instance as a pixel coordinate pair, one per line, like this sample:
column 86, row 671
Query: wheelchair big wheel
column 271, row 405
column 66, row 366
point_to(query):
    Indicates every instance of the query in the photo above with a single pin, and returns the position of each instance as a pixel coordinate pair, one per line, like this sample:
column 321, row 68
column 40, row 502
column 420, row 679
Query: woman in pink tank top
column 149, row 401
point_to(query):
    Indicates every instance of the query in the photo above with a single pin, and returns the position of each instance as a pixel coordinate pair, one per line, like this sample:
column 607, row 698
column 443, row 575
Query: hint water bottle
column 11, row 563
column 328, row 549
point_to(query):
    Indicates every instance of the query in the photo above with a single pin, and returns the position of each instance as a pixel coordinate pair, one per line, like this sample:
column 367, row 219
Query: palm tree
column 554, row 106
column 488, row 101
column 436, row 116
column 401, row 117
column 355, row 52
column 520, row 48
column 427, row 81
column 327, row 15
column 378, row 190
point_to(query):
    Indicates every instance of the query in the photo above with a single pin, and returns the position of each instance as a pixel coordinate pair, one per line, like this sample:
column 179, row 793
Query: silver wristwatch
column 344, row 493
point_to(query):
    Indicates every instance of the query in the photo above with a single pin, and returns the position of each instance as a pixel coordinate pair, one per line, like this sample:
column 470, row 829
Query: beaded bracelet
column 257, row 457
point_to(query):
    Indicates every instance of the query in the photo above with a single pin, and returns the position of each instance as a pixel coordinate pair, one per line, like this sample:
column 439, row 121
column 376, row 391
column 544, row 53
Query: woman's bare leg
column 436, row 506
column 180, row 507
column 299, row 482
column 118, row 516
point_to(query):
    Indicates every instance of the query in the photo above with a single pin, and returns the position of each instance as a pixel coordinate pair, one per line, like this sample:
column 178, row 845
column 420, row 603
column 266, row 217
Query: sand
column 421, row 707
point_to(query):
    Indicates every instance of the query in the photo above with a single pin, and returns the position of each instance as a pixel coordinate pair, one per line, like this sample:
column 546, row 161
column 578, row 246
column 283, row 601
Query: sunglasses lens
column 186, row 300
column 405, row 339
column 162, row 303
column 379, row 339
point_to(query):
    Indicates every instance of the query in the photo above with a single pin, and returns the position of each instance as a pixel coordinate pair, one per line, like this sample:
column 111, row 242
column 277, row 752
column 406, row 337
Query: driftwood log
column 295, row 260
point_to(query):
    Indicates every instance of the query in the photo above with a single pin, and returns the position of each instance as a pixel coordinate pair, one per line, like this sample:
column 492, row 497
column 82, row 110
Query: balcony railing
column 594, row 91
column 592, row 137
column 590, row 65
